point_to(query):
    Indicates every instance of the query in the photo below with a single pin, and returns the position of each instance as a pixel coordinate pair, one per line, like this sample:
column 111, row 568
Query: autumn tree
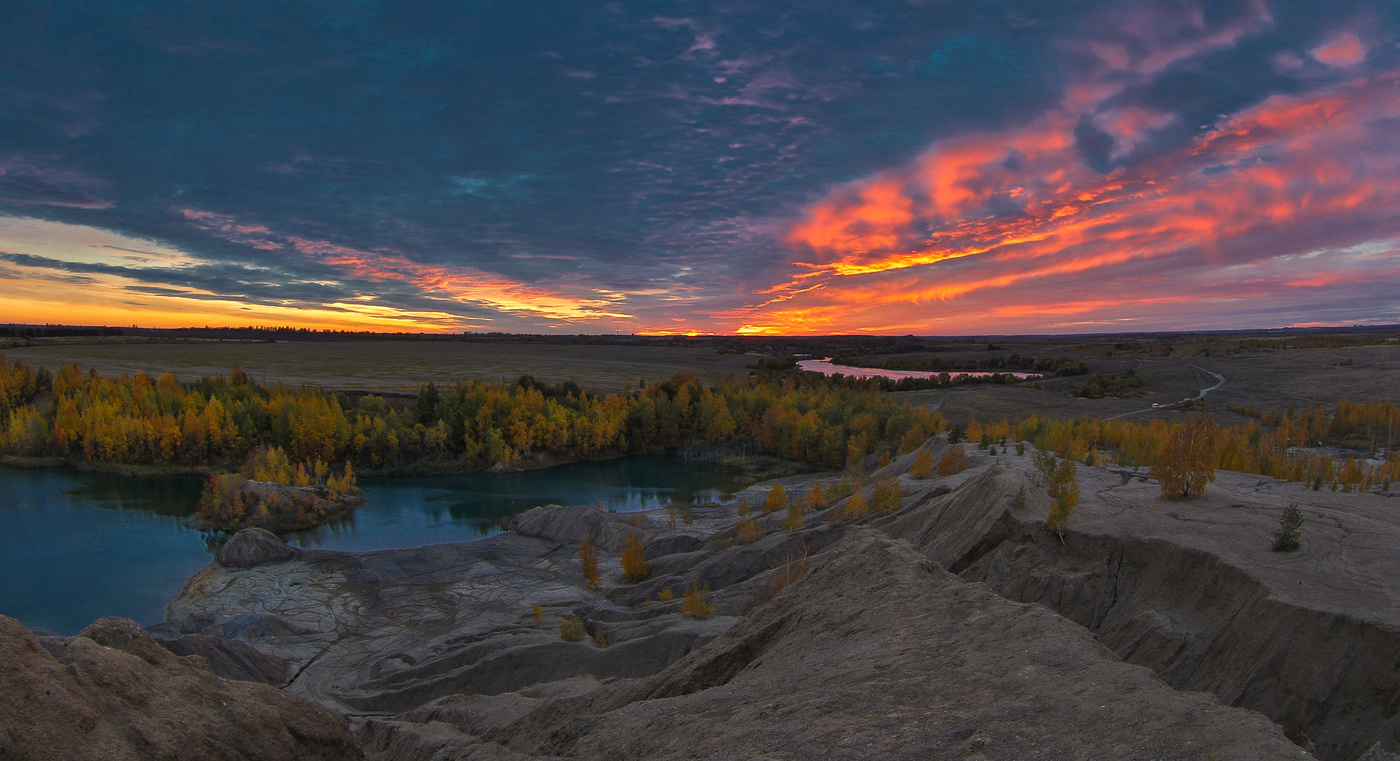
column 1186, row 461
column 923, row 465
column 634, row 562
column 954, row 460
column 776, row 500
column 1064, row 489
column 588, row 559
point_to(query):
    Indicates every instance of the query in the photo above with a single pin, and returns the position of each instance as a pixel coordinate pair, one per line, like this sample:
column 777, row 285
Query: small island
column 268, row 492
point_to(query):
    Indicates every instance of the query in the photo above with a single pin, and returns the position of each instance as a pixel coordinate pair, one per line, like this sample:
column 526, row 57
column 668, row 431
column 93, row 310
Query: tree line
column 466, row 425
column 1282, row 444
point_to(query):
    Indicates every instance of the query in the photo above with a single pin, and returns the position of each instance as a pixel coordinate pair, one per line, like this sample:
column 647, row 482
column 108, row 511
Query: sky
column 814, row 167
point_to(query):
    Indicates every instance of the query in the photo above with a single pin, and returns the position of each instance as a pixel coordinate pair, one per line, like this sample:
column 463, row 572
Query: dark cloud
column 541, row 147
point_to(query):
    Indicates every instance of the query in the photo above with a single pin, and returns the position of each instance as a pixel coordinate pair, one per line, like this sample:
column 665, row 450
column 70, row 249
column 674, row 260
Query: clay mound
column 116, row 694
column 572, row 525
column 956, row 527
column 253, row 547
column 876, row 653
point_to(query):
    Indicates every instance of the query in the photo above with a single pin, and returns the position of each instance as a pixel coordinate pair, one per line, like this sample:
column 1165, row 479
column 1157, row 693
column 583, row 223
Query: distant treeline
column 54, row 331
column 1275, row 446
column 468, row 425
column 1061, row 366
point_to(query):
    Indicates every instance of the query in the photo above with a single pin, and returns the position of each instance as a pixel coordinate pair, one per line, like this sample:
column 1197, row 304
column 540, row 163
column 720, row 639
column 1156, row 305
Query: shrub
column 537, row 615
column 599, row 638
column 887, row 496
column 666, row 595
column 1020, row 448
column 1044, row 462
column 634, row 562
column 694, row 605
column 856, row 507
column 816, row 498
column 748, row 531
column 954, row 460
column 789, row 573
column 795, row 515
column 1064, row 487
column 777, row 499
column 588, row 558
column 923, row 465
column 1288, row 536
column 571, row 629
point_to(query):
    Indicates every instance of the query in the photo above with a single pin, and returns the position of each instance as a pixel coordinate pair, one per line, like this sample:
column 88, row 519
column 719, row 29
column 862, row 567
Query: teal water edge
column 76, row 546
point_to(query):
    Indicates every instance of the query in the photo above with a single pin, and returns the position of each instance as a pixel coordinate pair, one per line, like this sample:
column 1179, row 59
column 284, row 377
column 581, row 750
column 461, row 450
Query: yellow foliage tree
column 954, row 460
column 777, row 499
column 923, row 465
column 694, row 605
column 634, row 562
column 588, row 558
column 1186, row 461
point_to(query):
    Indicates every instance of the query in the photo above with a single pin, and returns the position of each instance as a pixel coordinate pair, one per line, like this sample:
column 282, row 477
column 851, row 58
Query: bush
column 795, row 515
column 777, row 499
column 789, row 573
column 887, row 496
column 1288, row 537
column 588, row 558
column 1064, row 487
column 666, row 595
column 856, row 507
column 747, row 531
column 923, row 465
column 954, row 460
column 537, row 615
column 571, row 629
column 694, row 605
column 634, row 562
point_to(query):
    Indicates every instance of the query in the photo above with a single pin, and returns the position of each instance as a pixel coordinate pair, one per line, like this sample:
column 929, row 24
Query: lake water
column 76, row 546
column 825, row 367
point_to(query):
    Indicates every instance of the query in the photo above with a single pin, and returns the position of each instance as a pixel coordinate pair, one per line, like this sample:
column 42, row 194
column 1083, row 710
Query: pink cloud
column 1342, row 50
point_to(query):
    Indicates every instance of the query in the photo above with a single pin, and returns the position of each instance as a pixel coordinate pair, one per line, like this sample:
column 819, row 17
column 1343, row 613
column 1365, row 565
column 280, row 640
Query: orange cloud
column 999, row 213
column 1343, row 50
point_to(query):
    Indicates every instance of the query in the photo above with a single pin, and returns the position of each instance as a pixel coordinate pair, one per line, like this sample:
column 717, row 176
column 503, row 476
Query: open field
column 388, row 365
column 1261, row 380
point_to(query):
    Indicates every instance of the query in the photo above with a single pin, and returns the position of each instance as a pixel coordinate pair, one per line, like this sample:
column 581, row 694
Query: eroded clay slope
column 114, row 694
column 1192, row 590
column 876, row 653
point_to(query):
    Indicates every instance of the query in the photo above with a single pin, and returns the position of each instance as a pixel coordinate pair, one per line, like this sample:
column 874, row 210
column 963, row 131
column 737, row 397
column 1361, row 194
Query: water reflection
column 76, row 546
column 825, row 367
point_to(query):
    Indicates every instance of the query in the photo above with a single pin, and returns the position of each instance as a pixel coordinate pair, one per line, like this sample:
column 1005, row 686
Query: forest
column 217, row 422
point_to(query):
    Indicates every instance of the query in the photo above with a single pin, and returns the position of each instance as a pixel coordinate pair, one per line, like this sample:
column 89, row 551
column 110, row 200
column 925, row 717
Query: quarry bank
column 954, row 626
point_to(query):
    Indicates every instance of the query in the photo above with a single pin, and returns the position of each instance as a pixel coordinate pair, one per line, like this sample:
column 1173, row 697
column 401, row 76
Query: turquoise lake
column 76, row 546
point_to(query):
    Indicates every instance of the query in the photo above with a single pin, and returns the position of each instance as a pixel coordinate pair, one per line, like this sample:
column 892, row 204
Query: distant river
column 825, row 367
column 76, row 546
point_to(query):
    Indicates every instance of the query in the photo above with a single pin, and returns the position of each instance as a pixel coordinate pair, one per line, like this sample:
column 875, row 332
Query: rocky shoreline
column 953, row 627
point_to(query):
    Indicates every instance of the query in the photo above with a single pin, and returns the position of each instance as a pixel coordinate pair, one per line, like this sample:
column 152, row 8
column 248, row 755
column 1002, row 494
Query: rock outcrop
column 115, row 694
column 254, row 547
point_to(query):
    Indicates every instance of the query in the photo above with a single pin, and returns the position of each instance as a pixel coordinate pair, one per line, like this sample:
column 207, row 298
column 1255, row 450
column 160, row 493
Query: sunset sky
column 753, row 167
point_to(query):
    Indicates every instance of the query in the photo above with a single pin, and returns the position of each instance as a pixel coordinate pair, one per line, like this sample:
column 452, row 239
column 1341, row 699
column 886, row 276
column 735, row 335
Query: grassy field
column 387, row 365
column 1262, row 380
